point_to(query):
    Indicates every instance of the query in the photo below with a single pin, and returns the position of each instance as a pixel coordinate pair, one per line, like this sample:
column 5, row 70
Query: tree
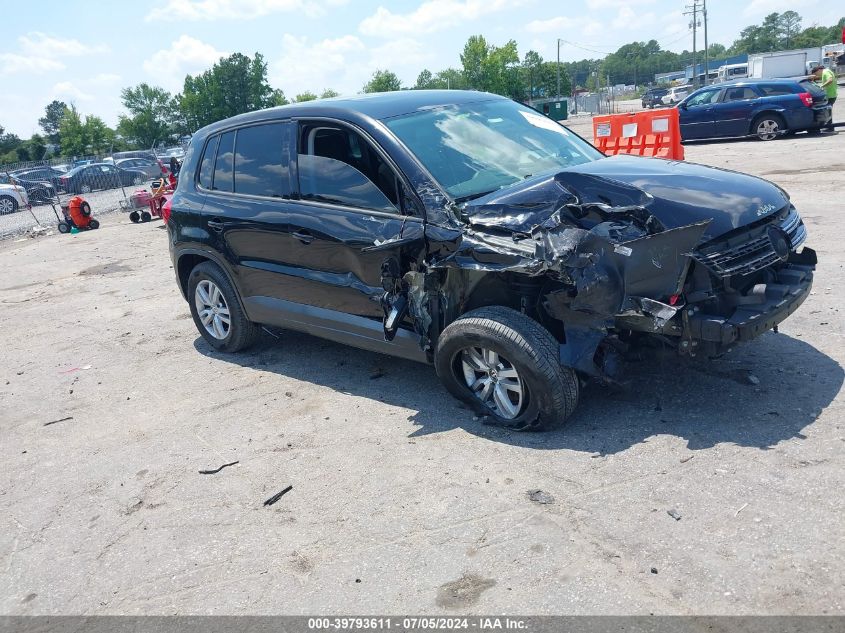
column 73, row 133
column 328, row 93
column 383, row 81
column 790, row 24
column 425, row 80
column 532, row 64
column 151, row 112
column 53, row 114
column 234, row 85
column 279, row 99
column 491, row 68
column 37, row 147
column 717, row 51
column 305, row 96
column 100, row 136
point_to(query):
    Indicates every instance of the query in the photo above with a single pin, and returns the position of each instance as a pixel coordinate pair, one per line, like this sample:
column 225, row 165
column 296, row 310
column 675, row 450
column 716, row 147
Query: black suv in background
column 653, row 97
column 468, row 231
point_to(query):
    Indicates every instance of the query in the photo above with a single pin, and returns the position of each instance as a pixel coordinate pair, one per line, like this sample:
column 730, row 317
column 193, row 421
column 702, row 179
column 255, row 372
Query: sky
column 85, row 51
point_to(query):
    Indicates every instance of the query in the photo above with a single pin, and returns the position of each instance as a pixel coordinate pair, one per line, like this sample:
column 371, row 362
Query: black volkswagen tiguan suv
column 465, row 230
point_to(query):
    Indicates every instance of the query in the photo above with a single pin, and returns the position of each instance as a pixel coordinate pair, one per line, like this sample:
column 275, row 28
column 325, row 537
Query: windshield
column 473, row 149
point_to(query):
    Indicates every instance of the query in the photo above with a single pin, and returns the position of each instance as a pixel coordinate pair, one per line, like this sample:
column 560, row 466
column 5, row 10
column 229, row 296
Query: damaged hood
column 676, row 193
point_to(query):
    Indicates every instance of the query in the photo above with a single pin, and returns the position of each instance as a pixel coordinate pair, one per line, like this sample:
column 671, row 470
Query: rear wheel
column 85, row 188
column 767, row 127
column 145, row 216
column 135, row 217
column 505, row 365
column 63, row 227
column 138, row 180
column 93, row 224
column 8, row 205
column 217, row 310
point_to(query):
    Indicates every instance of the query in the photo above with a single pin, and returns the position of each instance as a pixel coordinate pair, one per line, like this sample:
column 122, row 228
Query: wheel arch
column 779, row 112
column 189, row 259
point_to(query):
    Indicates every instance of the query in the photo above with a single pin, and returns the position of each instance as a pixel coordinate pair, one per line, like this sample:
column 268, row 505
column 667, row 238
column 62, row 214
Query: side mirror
column 682, row 105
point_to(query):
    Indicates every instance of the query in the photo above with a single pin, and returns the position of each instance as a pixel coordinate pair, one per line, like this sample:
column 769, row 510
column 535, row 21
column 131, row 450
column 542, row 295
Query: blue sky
column 85, row 51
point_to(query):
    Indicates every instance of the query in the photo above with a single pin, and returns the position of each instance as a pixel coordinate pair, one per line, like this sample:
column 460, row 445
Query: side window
column 207, row 163
column 740, row 94
column 223, row 172
column 774, row 90
column 703, row 98
column 338, row 165
column 261, row 167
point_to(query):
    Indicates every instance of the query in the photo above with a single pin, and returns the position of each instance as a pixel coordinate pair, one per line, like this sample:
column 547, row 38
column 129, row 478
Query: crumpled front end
column 586, row 256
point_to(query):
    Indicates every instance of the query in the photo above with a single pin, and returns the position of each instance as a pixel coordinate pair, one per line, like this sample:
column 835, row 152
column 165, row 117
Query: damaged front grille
column 754, row 250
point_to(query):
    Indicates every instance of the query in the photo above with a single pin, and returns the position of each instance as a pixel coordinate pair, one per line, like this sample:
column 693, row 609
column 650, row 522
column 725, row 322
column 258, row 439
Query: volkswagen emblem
column 780, row 243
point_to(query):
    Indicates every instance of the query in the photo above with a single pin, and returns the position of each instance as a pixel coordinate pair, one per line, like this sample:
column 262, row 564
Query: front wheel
column 768, row 127
column 505, row 365
column 217, row 310
column 85, row 189
column 8, row 205
column 138, row 180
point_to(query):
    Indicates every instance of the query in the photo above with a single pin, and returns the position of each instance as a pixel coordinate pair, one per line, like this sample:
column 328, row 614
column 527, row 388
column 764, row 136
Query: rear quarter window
column 207, row 164
column 774, row 90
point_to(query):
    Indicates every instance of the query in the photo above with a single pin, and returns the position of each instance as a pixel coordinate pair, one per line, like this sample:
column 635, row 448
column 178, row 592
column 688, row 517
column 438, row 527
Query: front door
column 351, row 201
column 697, row 117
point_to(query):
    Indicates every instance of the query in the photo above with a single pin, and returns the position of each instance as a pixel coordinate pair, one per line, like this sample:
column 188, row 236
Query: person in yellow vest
column 826, row 80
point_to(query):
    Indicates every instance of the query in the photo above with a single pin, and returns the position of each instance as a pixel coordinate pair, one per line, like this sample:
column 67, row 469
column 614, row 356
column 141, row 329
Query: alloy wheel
column 7, row 205
column 212, row 309
column 768, row 129
column 494, row 380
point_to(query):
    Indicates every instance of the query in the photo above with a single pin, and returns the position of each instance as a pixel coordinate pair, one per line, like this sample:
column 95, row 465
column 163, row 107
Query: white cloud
column 237, row 9
column 186, row 55
column 592, row 5
column 70, row 90
column 631, row 20
column 329, row 63
column 39, row 53
column 42, row 45
column 430, row 16
column 764, row 7
column 400, row 53
column 579, row 26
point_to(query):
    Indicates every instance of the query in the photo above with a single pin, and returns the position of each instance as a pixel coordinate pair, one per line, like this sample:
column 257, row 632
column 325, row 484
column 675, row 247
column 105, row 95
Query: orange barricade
column 656, row 133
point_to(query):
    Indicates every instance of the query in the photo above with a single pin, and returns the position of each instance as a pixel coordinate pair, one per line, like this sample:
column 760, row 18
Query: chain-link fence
column 32, row 192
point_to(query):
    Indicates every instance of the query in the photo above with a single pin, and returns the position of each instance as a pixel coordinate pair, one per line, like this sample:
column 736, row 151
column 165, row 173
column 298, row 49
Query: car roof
column 746, row 81
column 379, row 105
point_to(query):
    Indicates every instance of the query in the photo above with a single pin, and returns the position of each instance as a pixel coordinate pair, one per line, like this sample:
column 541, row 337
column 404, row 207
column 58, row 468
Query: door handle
column 303, row 236
column 215, row 225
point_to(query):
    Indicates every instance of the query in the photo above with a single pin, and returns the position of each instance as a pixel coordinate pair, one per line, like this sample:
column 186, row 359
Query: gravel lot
column 401, row 501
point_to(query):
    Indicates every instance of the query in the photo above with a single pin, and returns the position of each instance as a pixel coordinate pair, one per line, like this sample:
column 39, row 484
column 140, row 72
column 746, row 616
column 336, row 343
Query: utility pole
column 706, row 47
column 693, row 10
column 558, row 68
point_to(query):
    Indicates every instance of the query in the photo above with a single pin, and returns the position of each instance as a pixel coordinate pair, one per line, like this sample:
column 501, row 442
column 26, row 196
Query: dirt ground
column 401, row 501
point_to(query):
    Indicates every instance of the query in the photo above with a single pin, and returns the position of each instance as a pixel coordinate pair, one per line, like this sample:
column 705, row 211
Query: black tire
column 145, row 216
column 552, row 390
column 8, row 205
column 242, row 333
column 135, row 217
column 774, row 123
column 63, row 227
column 94, row 224
column 86, row 209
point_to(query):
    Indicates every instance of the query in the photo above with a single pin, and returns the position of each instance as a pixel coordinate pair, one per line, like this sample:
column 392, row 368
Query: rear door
column 735, row 110
column 246, row 178
column 697, row 115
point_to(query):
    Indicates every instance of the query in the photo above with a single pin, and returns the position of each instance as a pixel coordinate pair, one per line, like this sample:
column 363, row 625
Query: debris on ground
column 217, row 470
column 654, row 570
column 73, row 369
column 744, row 505
column 674, row 514
column 684, row 460
column 70, row 417
column 538, row 496
column 752, row 379
column 277, row 496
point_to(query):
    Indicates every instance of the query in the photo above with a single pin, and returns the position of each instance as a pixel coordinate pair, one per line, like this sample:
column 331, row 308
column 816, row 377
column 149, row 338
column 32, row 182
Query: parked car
column 64, row 167
column 44, row 173
column 100, row 176
column 39, row 192
column 176, row 152
column 12, row 198
column 675, row 95
column 765, row 108
column 468, row 231
column 152, row 168
column 653, row 97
